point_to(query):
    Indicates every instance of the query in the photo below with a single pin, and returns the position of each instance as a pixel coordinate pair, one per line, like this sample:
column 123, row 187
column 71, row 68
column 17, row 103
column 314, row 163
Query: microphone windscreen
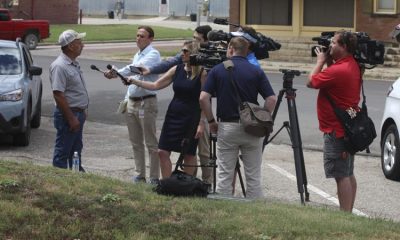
column 221, row 21
column 109, row 67
column 93, row 67
column 215, row 35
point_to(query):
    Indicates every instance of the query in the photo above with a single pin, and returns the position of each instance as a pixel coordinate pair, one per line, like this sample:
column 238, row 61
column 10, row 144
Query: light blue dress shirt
column 148, row 57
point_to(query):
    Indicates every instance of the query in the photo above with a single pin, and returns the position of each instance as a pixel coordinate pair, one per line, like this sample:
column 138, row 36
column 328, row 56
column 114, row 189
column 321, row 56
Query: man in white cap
column 395, row 34
column 71, row 99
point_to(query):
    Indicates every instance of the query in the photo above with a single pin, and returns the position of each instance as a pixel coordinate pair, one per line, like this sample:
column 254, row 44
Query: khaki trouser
column 142, row 131
column 204, row 156
column 231, row 139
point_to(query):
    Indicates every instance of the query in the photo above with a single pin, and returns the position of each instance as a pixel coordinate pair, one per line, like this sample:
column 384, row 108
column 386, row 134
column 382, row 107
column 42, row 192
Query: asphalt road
column 107, row 150
column 105, row 95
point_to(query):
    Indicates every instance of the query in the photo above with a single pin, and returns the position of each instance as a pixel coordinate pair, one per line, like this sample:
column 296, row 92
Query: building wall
column 56, row 11
column 234, row 12
column 377, row 26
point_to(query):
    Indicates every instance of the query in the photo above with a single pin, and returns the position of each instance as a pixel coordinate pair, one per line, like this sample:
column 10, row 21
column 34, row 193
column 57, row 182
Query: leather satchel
column 256, row 120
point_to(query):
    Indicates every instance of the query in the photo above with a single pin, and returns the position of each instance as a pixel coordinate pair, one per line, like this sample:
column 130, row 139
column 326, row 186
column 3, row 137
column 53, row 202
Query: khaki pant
column 142, row 131
column 231, row 139
column 204, row 156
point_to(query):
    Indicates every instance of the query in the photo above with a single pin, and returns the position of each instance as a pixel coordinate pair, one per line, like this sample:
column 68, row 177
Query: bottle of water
column 75, row 162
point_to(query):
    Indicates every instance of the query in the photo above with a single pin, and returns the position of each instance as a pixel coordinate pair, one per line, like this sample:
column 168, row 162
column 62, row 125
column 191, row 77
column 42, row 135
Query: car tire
column 35, row 123
column 390, row 155
column 22, row 139
column 31, row 40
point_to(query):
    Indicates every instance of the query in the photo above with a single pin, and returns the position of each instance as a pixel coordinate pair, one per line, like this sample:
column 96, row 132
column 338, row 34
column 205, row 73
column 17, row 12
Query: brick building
column 307, row 18
column 294, row 22
column 56, row 11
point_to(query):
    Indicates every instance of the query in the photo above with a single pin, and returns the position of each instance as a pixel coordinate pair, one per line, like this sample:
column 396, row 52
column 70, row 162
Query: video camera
column 214, row 52
column 210, row 54
column 368, row 52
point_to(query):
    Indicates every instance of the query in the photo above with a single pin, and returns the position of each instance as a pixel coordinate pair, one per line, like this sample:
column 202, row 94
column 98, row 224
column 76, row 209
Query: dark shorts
column 337, row 161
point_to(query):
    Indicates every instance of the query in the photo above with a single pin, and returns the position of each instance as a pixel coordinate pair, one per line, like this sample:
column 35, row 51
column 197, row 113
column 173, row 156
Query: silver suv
column 390, row 145
column 20, row 92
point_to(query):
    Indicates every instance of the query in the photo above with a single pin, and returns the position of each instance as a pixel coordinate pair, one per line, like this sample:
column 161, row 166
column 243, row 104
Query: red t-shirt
column 342, row 81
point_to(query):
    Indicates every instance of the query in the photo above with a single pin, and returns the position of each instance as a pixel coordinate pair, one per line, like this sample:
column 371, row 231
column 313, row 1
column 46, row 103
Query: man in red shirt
column 341, row 80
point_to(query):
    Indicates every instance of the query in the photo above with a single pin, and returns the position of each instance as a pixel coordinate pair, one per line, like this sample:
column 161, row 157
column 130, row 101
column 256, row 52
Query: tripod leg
column 267, row 139
column 297, row 146
column 213, row 159
column 237, row 169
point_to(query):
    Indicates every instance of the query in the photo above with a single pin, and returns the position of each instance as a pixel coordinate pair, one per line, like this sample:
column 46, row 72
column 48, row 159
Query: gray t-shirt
column 66, row 76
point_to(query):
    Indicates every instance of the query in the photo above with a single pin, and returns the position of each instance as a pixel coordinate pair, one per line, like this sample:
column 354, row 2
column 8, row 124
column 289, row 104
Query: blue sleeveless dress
column 183, row 114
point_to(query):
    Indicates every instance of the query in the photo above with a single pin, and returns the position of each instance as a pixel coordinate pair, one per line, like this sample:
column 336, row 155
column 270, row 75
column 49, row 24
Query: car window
column 10, row 61
column 3, row 16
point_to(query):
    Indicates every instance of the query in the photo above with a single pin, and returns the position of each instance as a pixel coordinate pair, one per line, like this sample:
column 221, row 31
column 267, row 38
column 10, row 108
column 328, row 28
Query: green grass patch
column 115, row 32
column 48, row 203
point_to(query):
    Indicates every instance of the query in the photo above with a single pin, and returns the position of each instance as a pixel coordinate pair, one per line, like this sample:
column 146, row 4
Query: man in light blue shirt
column 141, row 112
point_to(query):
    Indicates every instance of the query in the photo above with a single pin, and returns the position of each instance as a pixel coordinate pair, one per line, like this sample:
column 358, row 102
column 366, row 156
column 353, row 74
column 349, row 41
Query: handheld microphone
column 124, row 79
column 93, row 67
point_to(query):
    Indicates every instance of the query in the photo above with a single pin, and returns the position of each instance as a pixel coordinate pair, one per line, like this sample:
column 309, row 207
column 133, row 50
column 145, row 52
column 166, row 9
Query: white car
column 390, row 141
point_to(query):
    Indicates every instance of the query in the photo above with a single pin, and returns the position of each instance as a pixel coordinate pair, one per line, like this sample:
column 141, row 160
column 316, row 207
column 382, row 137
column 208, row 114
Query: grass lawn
column 48, row 203
column 115, row 32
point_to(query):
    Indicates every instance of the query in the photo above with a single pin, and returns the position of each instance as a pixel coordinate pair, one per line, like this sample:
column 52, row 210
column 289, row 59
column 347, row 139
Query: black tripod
column 293, row 130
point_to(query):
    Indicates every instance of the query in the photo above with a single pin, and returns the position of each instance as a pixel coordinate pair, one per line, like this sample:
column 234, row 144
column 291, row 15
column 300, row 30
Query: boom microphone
column 124, row 79
column 215, row 35
column 221, row 21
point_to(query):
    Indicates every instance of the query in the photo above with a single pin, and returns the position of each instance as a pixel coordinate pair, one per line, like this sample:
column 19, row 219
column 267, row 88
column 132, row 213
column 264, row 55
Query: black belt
column 76, row 109
column 232, row 120
column 142, row 98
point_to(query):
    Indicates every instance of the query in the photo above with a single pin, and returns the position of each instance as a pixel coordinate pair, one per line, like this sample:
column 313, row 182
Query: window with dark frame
column 269, row 12
column 328, row 13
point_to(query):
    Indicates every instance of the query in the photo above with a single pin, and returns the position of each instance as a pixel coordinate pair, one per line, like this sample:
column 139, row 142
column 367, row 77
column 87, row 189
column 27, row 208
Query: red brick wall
column 234, row 12
column 377, row 26
column 56, row 11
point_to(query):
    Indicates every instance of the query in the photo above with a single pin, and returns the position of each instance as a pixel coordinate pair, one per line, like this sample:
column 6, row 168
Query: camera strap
column 228, row 64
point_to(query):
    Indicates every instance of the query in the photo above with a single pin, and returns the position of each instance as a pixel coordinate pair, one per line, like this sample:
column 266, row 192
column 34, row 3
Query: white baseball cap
column 68, row 36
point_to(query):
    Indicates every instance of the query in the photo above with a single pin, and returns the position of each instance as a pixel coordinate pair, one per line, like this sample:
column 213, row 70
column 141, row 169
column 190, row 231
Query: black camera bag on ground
column 182, row 184
column 358, row 126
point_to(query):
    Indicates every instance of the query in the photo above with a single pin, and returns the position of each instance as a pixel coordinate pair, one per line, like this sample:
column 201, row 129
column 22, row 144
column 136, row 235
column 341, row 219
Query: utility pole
column 199, row 5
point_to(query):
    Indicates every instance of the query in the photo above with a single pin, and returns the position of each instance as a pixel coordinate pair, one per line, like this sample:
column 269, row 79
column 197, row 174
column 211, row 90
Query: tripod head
column 288, row 75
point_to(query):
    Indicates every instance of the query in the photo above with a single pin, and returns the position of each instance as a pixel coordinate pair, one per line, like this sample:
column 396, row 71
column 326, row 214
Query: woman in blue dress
column 182, row 120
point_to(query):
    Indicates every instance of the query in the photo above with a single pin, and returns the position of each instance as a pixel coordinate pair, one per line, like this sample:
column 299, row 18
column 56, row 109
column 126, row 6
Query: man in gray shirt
column 71, row 99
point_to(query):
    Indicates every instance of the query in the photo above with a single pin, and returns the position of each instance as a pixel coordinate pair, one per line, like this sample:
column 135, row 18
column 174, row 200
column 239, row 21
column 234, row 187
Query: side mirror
column 33, row 70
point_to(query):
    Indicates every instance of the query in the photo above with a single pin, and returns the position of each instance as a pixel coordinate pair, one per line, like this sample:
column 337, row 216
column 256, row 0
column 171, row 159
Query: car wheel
column 22, row 139
column 390, row 156
column 35, row 123
column 31, row 40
